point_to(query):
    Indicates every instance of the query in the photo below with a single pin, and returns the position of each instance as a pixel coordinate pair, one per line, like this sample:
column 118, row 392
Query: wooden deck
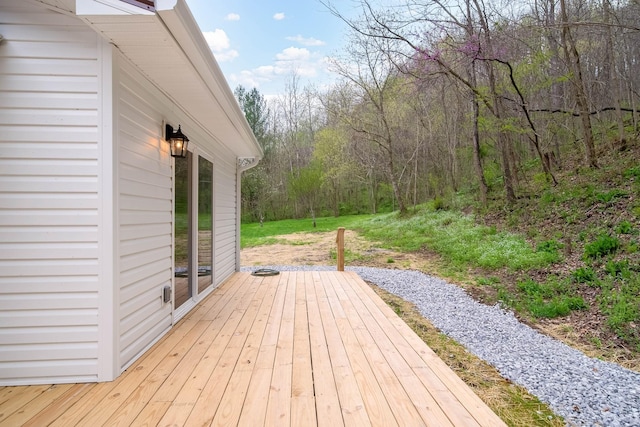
column 297, row 349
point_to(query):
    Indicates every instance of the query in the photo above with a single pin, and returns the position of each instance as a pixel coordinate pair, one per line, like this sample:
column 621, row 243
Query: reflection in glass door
column 193, row 184
column 205, row 224
column 182, row 290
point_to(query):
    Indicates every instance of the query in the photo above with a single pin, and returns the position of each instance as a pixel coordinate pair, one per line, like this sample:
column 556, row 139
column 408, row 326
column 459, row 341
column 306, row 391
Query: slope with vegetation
column 565, row 258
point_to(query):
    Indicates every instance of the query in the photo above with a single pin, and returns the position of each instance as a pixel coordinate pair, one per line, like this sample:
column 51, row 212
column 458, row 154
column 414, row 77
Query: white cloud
column 226, row 56
column 279, row 16
column 219, row 44
column 293, row 54
column 310, row 41
column 232, row 17
column 246, row 79
column 302, row 62
column 217, row 39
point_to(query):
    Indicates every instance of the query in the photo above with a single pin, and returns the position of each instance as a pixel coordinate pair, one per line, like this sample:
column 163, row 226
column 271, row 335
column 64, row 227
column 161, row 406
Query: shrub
column 439, row 204
column 603, row 245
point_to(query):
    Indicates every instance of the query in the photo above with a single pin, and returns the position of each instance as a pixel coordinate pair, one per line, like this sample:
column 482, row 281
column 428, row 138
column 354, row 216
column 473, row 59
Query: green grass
column 453, row 235
column 252, row 234
column 553, row 298
column 457, row 238
column 620, row 302
column 603, row 245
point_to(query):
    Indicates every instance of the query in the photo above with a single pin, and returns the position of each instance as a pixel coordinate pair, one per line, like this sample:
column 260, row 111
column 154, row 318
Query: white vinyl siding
column 145, row 205
column 225, row 218
column 49, row 197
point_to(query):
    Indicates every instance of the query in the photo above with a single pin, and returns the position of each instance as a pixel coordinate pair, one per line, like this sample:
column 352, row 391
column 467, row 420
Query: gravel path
column 585, row 391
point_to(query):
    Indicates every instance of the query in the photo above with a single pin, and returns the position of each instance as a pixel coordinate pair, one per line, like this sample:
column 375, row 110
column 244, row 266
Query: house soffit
column 178, row 67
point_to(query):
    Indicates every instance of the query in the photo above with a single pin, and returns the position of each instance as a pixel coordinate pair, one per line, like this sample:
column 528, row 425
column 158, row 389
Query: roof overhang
column 169, row 48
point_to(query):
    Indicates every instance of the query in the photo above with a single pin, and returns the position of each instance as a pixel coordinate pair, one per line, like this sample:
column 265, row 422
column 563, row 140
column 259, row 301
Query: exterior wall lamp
column 177, row 141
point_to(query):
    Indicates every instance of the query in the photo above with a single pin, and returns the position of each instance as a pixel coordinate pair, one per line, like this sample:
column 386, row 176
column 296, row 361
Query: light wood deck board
column 301, row 348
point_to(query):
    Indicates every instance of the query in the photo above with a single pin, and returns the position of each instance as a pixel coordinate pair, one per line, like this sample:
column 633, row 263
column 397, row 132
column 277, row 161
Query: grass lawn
column 254, row 235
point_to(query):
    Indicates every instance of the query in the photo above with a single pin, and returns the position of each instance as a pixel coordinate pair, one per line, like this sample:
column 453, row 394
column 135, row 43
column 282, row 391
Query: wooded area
column 437, row 97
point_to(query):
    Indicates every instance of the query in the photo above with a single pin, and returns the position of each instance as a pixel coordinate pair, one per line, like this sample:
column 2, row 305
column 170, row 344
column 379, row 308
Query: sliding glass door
column 205, row 224
column 193, row 228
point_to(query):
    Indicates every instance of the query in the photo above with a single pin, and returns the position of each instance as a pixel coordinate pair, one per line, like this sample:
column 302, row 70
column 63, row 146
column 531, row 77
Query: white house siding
column 49, row 197
column 145, row 205
column 225, row 217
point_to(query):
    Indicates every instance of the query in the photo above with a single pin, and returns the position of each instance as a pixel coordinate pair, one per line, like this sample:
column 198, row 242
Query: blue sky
column 258, row 43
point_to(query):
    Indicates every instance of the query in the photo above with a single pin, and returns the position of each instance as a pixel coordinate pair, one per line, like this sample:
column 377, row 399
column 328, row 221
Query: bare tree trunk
column 477, row 159
column 614, row 85
column 557, row 91
column 503, row 138
column 571, row 53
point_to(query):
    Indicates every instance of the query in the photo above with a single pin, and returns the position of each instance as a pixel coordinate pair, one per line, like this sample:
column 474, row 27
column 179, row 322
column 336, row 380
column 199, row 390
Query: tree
column 376, row 82
column 255, row 182
column 331, row 152
column 255, row 111
column 572, row 56
column 304, row 186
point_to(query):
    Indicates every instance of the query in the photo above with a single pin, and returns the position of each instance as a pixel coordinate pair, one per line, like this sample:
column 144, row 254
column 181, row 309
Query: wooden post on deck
column 340, row 242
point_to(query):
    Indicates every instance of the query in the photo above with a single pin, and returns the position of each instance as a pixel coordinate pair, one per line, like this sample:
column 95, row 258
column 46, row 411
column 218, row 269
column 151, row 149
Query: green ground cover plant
column 620, row 301
column 550, row 299
column 458, row 238
column 603, row 245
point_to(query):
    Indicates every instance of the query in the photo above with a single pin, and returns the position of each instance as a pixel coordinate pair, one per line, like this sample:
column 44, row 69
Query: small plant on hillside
column 603, row 245
column 618, row 269
column 553, row 298
column 584, row 275
column 550, row 247
column 625, row 227
column 438, row 204
column 610, row 196
column 488, row 281
column 620, row 302
column 633, row 172
column 556, row 307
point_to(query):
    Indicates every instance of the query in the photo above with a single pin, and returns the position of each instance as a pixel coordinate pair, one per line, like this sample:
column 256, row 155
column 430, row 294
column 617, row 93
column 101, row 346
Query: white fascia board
column 108, row 7
column 180, row 22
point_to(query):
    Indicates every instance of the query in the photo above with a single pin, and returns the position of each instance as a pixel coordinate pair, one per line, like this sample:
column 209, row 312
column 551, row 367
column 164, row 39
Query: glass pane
column 205, row 223
column 181, row 231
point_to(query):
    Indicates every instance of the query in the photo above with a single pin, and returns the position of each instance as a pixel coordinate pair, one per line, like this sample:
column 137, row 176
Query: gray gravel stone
column 585, row 391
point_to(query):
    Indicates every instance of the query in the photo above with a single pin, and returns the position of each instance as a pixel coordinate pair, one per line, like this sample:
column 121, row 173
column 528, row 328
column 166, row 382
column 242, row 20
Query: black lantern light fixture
column 177, row 141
